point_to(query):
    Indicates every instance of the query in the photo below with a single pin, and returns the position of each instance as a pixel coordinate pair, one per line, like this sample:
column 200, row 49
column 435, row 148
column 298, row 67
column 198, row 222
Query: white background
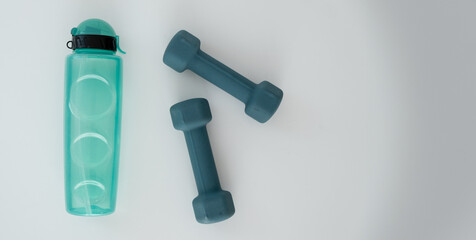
column 375, row 138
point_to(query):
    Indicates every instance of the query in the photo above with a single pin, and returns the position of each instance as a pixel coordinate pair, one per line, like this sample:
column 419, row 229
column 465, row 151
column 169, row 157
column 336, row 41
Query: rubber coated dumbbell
column 212, row 204
column 261, row 100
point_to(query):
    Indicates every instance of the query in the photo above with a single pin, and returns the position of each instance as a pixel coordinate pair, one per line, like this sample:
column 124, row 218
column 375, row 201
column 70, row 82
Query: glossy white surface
column 375, row 137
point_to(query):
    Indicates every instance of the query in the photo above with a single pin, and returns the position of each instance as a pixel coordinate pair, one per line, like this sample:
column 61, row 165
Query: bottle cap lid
column 96, row 34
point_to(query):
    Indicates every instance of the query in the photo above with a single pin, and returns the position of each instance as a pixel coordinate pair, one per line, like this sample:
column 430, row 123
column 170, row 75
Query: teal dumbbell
column 212, row 204
column 261, row 100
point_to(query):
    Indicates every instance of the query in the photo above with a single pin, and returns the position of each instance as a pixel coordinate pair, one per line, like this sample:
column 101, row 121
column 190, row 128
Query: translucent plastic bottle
column 93, row 93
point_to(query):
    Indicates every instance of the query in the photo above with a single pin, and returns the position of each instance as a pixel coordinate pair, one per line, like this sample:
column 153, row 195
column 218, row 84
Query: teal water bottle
column 92, row 119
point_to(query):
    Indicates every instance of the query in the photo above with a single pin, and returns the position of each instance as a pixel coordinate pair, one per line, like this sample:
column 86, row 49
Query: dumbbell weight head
column 182, row 48
column 213, row 207
column 190, row 114
column 264, row 101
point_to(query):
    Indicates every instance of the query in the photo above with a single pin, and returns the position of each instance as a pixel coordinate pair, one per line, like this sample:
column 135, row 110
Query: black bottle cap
column 93, row 41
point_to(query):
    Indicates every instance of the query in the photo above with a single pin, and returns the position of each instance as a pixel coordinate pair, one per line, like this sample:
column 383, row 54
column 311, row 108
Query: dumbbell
column 261, row 100
column 212, row 204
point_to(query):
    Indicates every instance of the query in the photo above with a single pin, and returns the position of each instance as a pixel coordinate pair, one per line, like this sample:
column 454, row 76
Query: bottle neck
column 94, row 51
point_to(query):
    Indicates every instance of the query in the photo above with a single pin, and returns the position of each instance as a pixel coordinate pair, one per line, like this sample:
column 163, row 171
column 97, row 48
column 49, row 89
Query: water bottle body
column 93, row 94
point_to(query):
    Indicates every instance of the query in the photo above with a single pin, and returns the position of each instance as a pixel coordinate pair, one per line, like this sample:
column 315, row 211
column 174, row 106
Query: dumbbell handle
column 222, row 76
column 201, row 156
